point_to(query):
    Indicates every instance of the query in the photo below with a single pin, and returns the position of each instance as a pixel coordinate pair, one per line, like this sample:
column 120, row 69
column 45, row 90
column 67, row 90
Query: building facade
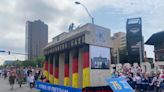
column 79, row 58
column 135, row 45
column 119, row 43
column 36, row 38
column 8, row 62
column 157, row 40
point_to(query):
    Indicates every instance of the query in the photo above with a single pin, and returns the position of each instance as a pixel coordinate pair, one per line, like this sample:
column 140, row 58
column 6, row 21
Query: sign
column 119, row 85
column 65, row 45
column 46, row 87
column 99, row 57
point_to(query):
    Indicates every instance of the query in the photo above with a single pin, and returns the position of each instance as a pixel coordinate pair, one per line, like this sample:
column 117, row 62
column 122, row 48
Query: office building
column 157, row 40
column 119, row 43
column 36, row 38
column 119, row 40
column 135, row 45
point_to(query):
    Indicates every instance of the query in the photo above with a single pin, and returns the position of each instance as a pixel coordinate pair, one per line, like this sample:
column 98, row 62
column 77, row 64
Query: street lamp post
column 92, row 18
column 118, row 56
column 140, row 51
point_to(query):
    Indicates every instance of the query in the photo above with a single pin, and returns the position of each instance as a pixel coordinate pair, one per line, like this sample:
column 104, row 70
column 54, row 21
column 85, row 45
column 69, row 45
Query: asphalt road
column 5, row 87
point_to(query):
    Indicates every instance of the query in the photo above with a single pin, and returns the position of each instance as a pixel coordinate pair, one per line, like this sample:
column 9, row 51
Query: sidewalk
column 5, row 87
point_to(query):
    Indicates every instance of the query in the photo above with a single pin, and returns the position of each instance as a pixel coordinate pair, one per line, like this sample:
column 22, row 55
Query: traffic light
column 9, row 52
column 2, row 51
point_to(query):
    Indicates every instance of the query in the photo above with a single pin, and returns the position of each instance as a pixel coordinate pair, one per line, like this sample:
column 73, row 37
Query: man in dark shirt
column 29, row 71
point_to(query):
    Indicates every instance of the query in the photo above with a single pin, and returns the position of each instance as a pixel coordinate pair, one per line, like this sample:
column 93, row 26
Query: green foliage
column 38, row 62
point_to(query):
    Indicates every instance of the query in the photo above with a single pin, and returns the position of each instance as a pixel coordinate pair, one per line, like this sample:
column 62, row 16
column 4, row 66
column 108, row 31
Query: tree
column 39, row 61
column 17, row 63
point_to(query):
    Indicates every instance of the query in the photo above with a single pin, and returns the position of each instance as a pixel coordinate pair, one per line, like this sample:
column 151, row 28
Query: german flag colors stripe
column 75, row 77
column 56, row 72
column 86, row 69
column 75, row 69
column 51, row 77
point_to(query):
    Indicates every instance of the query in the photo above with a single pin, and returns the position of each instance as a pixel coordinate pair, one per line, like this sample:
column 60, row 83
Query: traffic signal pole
column 9, row 52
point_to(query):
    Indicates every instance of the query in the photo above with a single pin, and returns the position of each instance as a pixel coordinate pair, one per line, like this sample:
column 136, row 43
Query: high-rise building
column 36, row 38
column 119, row 43
column 119, row 40
column 134, row 36
column 157, row 40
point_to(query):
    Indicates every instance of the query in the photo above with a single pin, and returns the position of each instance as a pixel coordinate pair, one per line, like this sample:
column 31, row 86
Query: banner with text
column 46, row 87
column 119, row 85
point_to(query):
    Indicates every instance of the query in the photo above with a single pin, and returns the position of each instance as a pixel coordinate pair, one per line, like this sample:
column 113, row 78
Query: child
column 31, row 80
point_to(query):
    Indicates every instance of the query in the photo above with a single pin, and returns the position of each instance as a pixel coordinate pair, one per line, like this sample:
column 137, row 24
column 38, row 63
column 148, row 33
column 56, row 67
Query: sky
column 59, row 14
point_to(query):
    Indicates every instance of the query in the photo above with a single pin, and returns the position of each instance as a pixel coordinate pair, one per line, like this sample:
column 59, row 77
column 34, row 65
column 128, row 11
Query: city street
column 5, row 87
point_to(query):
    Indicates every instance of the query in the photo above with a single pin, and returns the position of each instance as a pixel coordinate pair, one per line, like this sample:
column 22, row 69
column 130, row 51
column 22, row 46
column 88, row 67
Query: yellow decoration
column 51, row 78
column 46, row 74
column 75, row 80
column 56, row 81
column 86, row 77
column 66, row 81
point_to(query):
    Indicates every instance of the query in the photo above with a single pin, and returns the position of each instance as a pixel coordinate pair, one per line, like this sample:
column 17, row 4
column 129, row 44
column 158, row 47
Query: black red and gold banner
column 66, row 69
column 75, row 69
column 56, row 72
column 86, row 69
column 51, row 77
column 45, row 72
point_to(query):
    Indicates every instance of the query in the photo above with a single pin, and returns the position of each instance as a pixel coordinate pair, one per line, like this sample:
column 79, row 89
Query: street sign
column 119, row 85
column 46, row 87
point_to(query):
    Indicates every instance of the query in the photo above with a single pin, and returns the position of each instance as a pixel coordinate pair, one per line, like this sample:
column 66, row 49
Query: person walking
column 5, row 73
column 29, row 71
column 31, row 80
column 25, row 74
column 12, row 77
column 20, row 76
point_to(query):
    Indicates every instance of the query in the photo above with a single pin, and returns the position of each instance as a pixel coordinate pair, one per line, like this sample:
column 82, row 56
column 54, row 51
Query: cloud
column 58, row 14
column 14, row 14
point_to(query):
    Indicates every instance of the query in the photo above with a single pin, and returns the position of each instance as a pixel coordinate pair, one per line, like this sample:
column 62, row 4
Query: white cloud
column 58, row 14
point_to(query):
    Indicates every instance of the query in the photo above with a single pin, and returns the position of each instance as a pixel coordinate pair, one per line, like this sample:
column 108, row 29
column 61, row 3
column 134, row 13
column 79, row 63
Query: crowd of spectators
column 142, row 81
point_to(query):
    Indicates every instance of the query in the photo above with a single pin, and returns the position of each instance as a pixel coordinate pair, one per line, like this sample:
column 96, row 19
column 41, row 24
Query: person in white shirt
column 31, row 80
